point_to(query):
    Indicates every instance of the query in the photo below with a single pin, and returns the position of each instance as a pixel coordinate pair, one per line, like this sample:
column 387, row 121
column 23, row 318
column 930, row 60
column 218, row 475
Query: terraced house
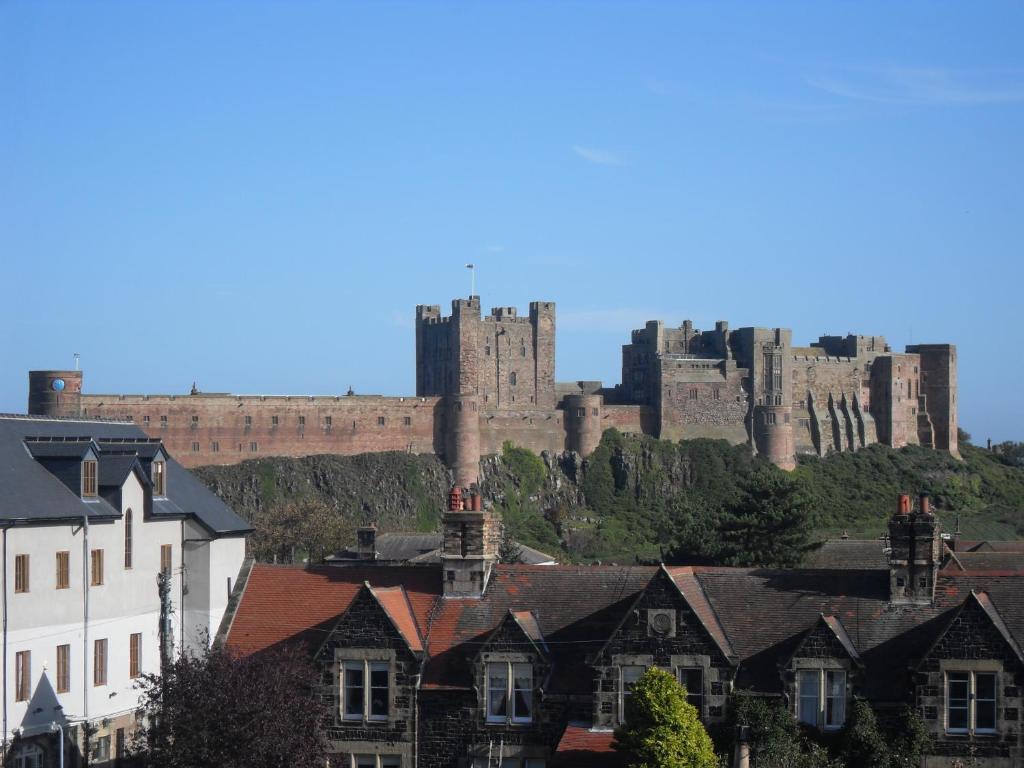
column 475, row 663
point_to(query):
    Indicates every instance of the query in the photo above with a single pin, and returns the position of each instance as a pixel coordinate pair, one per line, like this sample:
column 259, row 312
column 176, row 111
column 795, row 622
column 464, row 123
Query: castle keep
column 482, row 380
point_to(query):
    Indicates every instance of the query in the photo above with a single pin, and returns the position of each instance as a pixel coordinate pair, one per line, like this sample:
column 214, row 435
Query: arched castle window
column 512, row 378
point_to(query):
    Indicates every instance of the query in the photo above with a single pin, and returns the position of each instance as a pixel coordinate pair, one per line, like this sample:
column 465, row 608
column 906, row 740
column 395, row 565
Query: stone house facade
column 534, row 669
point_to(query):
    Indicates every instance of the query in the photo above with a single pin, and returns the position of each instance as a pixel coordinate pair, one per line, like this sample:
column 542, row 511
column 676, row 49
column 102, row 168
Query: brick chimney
column 914, row 552
column 366, row 542
column 470, row 546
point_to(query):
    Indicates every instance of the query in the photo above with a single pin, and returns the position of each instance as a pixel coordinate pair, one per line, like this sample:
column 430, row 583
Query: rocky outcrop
column 398, row 491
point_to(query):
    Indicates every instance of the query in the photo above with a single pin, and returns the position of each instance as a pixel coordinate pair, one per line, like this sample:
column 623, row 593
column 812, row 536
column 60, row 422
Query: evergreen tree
column 770, row 526
column 663, row 730
column 863, row 744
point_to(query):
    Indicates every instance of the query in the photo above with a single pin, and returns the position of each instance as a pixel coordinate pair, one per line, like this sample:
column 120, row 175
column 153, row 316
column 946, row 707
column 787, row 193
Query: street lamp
column 56, row 727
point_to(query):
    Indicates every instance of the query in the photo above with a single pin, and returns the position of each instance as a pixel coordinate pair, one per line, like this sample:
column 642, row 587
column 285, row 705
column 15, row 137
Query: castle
column 483, row 380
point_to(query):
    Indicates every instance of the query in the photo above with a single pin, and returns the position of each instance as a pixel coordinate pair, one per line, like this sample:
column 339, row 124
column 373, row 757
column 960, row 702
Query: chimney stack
column 925, row 504
column 366, row 542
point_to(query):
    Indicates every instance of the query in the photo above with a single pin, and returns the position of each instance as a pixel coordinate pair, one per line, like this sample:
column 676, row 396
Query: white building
column 91, row 513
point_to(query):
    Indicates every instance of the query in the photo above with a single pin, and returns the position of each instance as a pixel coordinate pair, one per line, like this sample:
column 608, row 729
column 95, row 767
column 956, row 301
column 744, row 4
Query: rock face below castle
column 483, row 380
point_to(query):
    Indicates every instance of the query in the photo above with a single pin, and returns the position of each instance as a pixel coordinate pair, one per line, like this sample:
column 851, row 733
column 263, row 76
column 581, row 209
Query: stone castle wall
column 225, row 429
column 485, row 380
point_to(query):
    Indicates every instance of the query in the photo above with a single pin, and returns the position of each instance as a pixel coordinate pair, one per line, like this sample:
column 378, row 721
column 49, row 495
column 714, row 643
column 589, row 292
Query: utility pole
column 163, row 581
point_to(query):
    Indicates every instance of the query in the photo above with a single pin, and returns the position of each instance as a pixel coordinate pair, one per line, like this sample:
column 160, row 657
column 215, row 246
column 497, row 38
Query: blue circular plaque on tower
column 58, row 385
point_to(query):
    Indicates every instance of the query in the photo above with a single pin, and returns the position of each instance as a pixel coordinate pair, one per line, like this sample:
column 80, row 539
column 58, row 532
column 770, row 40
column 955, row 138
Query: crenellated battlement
column 483, row 380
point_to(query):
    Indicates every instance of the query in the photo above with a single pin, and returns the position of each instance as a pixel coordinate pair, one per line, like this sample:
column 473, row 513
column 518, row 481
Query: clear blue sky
column 256, row 195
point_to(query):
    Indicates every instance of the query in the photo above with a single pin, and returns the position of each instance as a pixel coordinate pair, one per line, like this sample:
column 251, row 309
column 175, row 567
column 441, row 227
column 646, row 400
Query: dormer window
column 366, row 690
column 509, row 692
column 822, row 698
column 159, row 478
column 89, row 478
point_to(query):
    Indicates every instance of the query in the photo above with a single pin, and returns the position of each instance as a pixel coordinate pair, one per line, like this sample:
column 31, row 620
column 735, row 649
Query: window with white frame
column 628, row 675
column 692, row 679
column 365, row 690
column 821, row 698
column 376, row 761
column 509, row 692
column 29, row 756
column 971, row 702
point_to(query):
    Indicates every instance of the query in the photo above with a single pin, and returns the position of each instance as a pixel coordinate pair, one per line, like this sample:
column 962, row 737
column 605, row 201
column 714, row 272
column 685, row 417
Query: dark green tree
column 863, row 743
column 261, row 711
column 775, row 738
column 770, row 526
column 662, row 729
column 909, row 741
column 509, row 550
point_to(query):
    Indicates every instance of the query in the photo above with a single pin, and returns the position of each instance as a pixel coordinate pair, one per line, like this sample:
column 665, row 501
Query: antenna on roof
column 77, row 358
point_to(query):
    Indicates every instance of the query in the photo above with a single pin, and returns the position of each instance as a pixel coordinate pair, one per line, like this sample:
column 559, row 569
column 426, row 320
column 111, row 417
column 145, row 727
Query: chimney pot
column 925, row 504
column 903, row 504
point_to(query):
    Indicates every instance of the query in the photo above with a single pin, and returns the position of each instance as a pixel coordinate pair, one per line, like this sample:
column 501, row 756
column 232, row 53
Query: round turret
column 773, row 435
column 55, row 393
column 464, row 439
column 583, row 423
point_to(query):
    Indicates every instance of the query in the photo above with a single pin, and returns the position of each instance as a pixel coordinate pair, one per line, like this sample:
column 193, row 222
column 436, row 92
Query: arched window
column 128, row 539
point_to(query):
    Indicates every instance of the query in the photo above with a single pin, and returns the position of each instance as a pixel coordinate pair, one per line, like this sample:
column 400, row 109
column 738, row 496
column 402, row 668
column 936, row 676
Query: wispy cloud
column 925, row 86
column 599, row 156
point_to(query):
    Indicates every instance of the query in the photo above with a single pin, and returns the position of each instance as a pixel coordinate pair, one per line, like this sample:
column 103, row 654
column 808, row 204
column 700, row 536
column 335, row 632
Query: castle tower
column 55, row 393
column 470, row 547
column 463, row 449
column 583, row 423
column 770, row 360
column 938, row 385
column 914, row 553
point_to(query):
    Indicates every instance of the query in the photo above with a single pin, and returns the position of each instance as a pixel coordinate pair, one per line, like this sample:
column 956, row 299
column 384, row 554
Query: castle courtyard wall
column 226, row 429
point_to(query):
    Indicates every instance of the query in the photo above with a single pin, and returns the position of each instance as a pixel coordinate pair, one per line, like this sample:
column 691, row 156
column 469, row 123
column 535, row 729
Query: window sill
column 508, row 723
column 972, row 734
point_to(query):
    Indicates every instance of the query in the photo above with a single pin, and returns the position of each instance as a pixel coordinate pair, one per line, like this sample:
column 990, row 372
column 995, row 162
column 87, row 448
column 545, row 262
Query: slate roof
column 423, row 549
column 848, row 554
column 30, row 492
column 114, row 470
column 985, row 560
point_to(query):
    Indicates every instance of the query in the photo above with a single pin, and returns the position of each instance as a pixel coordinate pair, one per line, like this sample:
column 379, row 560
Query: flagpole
column 472, row 279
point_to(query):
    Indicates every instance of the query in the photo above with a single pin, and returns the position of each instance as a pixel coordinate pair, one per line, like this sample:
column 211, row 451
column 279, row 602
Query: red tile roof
column 287, row 603
column 581, row 746
column 395, row 604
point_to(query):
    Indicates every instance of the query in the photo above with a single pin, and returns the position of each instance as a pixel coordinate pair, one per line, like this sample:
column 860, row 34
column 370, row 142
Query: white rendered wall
column 210, row 567
column 44, row 617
